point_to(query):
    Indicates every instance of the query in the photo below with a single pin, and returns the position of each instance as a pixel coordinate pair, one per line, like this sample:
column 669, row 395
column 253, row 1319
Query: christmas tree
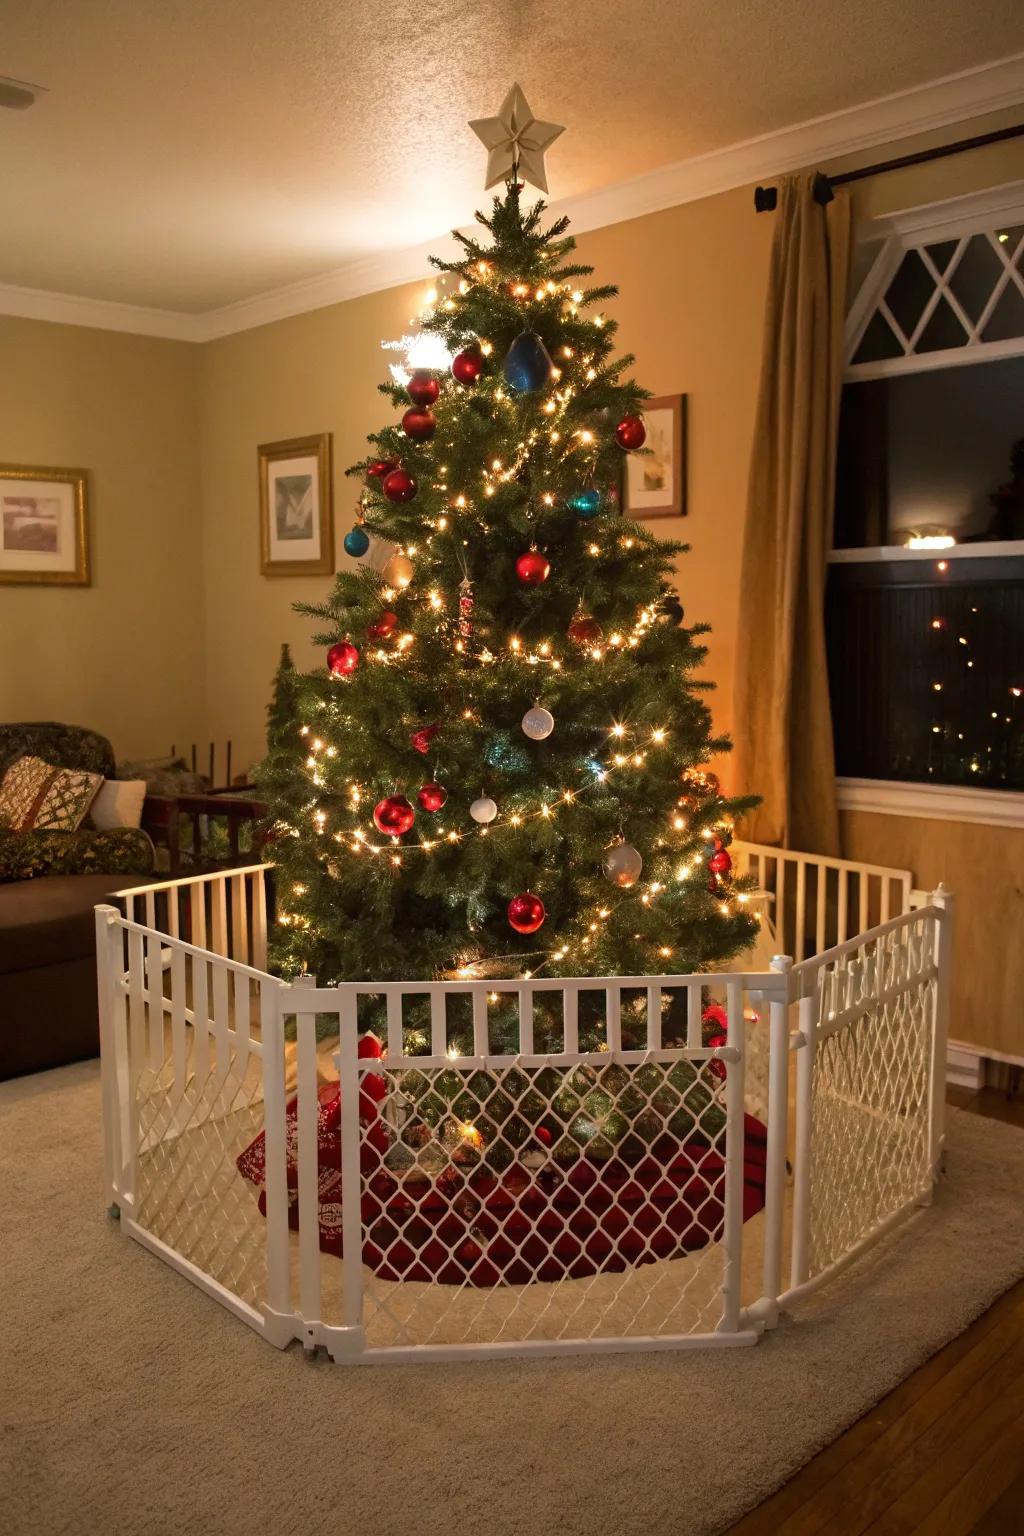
column 500, row 769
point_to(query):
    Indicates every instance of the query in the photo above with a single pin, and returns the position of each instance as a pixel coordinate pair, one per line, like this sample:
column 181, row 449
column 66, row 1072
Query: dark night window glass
column 926, row 670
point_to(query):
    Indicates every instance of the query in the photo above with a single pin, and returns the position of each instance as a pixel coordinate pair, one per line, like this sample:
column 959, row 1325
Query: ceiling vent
column 18, row 94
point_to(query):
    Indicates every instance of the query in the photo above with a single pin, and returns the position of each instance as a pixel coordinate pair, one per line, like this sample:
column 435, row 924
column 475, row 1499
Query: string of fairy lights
column 579, row 445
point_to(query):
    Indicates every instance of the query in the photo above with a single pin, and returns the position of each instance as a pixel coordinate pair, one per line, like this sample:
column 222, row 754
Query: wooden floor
column 942, row 1455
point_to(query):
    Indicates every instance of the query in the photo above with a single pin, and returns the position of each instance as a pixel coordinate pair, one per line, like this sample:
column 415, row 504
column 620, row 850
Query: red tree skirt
column 470, row 1224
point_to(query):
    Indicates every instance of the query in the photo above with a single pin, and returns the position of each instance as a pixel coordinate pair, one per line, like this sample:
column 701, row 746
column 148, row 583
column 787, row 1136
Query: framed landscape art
column 655, row 480
column 44, row 534
column 296, row 507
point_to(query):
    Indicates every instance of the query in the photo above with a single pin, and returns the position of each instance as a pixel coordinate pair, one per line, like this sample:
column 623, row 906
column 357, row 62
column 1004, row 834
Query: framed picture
column 656, row 480
column 296, row 507
column 44, row 526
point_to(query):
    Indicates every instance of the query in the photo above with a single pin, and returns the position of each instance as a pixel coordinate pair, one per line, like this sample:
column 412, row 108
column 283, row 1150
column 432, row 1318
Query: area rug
column 131, row 1403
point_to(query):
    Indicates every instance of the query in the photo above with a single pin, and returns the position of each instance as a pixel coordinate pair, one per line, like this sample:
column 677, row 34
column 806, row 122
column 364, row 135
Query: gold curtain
column 783, row 721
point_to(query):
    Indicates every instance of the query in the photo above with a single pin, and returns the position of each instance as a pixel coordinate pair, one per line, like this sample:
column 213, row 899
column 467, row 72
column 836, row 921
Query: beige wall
column 124, row 655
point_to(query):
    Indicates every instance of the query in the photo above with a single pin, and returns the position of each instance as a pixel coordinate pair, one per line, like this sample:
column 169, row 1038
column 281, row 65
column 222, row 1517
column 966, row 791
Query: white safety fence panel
column 868, row 1090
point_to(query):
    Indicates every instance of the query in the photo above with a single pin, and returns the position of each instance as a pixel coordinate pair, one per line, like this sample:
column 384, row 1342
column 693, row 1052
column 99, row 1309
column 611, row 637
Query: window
column 926, row 643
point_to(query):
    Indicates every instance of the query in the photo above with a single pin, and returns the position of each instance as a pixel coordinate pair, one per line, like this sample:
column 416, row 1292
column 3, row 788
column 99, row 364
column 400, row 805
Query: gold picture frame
column 655, row 481
column 44, row 526
column 296, row 507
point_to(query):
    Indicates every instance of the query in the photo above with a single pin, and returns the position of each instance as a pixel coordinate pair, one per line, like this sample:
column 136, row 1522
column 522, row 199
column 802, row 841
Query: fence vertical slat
column 943, row 957
column 481, row 1034
column 613, row 1017
column 864, row 884
column 801, row 907
column 438, row 1022
column 155, row 1001
column 526, row 1020
column 242, row 1020
column 308, row 1169
column 694, row 1017
column 275, row 1121
column 179, row 1036
column 781, row 936
column 775, row 1157
column 173, row 927
column 201, row 1026
column 259, row 919
column 570, row 1019
column 136, row 1000
column 149, row 906
column 351, row 1172
column 653, row 1018
column 110, row 999
column 732, row 1196
column 886, row 900
column 820, row 897
column 395, row 1041
column 219, row 918
column 239, row 920
column 221, row 1024
column 802, row 1151
column 197, row 913
column 843, row 898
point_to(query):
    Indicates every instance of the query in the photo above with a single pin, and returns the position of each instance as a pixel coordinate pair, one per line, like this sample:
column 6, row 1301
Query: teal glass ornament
column 527, row 363
column 357, row 542
column 587, row 502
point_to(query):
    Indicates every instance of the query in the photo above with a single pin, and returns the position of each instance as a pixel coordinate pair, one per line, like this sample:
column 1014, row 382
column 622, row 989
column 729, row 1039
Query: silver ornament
column 483, row 810
column 538, row 723
column 622, row 865
column 398, row 571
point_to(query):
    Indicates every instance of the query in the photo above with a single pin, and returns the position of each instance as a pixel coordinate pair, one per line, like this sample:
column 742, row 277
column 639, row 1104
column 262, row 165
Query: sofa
column 49, row 884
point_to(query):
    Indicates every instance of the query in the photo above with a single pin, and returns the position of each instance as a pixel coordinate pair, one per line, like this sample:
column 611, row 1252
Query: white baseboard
column 965, row 1064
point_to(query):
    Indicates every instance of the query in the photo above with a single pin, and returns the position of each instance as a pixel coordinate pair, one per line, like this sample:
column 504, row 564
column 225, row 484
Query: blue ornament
column 357, row 542
column 587, row 503
column 527, row 363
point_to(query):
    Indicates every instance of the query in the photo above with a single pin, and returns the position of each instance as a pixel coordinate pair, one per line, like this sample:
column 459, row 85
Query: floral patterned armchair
column 25, row 855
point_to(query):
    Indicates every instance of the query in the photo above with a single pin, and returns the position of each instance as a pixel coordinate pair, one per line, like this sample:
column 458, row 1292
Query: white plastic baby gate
column 251, row 1145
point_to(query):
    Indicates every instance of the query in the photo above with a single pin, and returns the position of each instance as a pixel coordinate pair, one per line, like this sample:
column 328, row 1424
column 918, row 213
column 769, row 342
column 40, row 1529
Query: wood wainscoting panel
column 984, row 868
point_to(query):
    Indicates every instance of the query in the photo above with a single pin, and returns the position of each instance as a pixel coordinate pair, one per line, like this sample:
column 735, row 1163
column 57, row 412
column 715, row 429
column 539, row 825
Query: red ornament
column 715, row 1031
column 379, row 468
column 399, row 485
column 422, row 738
column 419, row 424
column 432, row 796
column 343, row 658
column 394, row 815
column 631, row 433
column 526, row 912
column 468, row 365
column 533, row 568
column 720, row 862
column 423, row 388
column 584, row 630
column 384, row 626
column 543, row 1135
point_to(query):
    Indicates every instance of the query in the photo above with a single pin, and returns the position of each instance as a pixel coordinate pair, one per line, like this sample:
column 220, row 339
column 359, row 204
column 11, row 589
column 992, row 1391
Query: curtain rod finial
column 765, row 199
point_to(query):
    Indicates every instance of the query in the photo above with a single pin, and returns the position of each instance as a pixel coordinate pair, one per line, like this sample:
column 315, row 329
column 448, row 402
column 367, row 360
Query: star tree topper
column 516, row 141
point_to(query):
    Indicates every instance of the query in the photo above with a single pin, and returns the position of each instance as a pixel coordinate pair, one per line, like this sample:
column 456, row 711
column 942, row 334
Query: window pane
column 878, row 342
column 942, row 253
column 943, row 330
column 975, row 277
column 909, row 292
column 1007, row 319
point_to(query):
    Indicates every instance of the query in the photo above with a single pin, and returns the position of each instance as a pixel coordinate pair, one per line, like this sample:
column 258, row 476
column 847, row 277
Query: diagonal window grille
column 952, row 296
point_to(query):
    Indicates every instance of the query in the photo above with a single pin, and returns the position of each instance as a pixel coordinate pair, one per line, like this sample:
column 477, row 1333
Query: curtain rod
column 766, row 198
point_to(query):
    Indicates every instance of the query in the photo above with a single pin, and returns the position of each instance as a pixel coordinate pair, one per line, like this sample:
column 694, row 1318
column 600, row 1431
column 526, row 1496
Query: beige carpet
column 131, row 1403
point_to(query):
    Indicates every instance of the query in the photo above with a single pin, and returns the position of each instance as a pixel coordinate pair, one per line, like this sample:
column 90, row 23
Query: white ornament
column 483, row 810
column 515, row 141
column 538, row 723
column 622, row 865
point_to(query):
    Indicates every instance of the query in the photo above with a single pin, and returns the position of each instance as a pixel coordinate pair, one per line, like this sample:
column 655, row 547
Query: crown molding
column 932, row 802
column 99, row 314
column 885, row 120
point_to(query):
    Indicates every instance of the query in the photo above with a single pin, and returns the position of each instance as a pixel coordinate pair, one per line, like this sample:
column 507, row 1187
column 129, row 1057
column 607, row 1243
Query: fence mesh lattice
column 198, row 1107
column 870, row 1091
column 651, row 1239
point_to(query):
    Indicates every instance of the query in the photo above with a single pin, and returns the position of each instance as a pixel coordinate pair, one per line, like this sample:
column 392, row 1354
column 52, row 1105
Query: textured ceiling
column 194, row 152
